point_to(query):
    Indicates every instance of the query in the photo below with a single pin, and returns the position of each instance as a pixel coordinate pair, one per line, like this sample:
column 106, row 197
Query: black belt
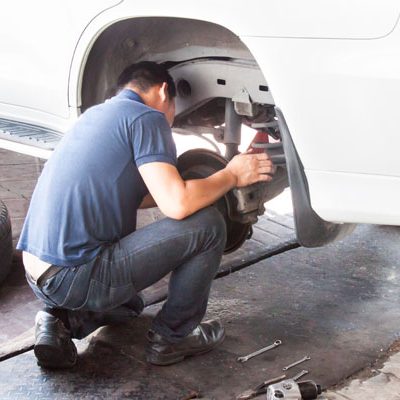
column 50, row 272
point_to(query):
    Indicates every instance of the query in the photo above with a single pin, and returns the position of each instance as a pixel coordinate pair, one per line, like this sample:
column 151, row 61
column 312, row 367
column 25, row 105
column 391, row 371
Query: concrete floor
column 381, row 382
column 338, row 304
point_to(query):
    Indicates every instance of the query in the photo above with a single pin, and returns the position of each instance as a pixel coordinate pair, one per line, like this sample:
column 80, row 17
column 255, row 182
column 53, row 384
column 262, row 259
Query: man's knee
column 212, row 220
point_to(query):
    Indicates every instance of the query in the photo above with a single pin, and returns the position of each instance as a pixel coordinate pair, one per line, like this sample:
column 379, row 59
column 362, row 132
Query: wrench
column 296, row 363
column 263, row 350
column 300, row 375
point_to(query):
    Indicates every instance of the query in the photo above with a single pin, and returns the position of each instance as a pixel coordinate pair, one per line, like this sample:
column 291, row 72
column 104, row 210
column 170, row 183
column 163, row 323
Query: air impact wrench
column 291, row 390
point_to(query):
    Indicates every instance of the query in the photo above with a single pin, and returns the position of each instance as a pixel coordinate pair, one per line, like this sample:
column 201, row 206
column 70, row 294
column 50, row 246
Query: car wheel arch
column 161, row 39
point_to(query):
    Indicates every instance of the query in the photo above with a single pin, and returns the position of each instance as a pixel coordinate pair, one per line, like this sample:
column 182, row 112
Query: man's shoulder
column 151, row 119
column 117, row 116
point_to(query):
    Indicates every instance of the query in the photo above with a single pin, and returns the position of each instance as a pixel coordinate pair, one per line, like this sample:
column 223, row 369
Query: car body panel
column 333, row 68
column 340, row 104
column 360, row 198
column 38, row 40
column 344, row 19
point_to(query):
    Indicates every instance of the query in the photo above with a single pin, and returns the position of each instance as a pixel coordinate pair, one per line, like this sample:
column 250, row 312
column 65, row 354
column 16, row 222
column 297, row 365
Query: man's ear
column 164, row 92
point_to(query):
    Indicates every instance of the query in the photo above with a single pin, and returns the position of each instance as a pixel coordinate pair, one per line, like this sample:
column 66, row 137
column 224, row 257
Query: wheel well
column 161, row 39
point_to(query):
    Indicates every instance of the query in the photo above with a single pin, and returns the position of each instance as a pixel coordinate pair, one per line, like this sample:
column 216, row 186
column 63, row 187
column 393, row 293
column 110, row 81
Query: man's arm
column 178, row 199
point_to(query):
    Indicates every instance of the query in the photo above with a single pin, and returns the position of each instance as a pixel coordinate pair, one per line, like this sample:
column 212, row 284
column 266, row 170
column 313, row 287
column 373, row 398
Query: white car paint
column 38, row 40
column 340, row 103
column 333, row 67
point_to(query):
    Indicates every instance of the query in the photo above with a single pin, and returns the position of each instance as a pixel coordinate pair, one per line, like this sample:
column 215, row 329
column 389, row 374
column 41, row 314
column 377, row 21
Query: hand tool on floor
column 291, row 390
column 260, row 389
column 306, row 358
column 258, row 352
column 300, row 375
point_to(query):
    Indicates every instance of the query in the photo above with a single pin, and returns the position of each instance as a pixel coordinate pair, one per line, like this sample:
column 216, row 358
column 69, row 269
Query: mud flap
column 311, row 230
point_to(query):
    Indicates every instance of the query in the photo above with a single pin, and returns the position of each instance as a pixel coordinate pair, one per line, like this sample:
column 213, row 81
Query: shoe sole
column 54, row 357
column 168, row 359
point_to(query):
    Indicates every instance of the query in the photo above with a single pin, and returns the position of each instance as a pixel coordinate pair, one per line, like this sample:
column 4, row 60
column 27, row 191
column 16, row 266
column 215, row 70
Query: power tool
column 291, row 390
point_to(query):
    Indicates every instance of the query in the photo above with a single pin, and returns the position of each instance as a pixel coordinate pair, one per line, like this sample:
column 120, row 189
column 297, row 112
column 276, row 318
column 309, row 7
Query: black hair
column 146, row 74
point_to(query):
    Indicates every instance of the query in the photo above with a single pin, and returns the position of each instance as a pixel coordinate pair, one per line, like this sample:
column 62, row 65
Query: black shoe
column 203, row 339
column 53, row 345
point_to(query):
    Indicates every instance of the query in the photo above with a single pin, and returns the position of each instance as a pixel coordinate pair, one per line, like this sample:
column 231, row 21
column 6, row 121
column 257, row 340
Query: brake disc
column 201, row 163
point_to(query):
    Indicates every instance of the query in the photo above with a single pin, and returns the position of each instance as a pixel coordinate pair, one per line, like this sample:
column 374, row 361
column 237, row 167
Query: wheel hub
column 201, row 163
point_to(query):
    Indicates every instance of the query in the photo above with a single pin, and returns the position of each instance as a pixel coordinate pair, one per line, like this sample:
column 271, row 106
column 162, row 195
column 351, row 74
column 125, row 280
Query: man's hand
column 250, row 168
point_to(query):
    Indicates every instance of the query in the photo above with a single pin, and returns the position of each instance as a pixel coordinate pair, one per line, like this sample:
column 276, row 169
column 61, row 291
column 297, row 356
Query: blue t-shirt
column 90, row 189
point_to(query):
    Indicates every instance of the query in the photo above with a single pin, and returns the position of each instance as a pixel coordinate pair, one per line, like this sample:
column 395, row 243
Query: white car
column 323, row 76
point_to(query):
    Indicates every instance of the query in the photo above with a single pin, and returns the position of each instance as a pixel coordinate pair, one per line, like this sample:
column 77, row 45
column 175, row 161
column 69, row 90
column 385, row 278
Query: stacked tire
column 6, row 246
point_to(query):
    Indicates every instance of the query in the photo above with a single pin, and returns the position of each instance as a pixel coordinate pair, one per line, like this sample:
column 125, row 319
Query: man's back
column 90, row 189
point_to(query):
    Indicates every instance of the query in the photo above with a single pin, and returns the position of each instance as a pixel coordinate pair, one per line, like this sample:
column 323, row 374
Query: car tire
column 6, row 245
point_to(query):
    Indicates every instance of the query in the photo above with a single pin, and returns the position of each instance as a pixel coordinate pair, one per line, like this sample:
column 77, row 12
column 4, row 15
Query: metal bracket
column 243, row 103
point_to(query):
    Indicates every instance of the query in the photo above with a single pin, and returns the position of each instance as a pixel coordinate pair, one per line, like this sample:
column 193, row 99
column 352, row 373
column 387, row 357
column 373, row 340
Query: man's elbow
column 177, row 211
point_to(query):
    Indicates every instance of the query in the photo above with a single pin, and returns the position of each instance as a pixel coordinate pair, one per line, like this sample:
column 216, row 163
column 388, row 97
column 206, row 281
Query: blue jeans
column 191, row 249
